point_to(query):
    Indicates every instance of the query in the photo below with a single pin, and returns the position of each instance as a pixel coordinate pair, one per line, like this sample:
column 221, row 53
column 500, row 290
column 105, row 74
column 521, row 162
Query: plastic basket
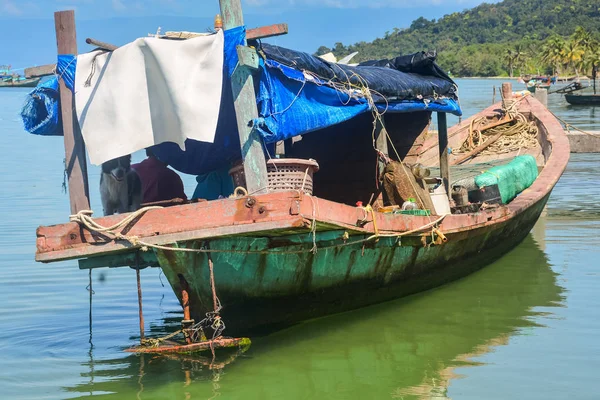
column 282, row 174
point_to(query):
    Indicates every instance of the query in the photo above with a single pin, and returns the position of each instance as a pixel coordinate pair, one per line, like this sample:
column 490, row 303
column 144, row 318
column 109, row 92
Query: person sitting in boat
column 214, row 185
column 159, row 182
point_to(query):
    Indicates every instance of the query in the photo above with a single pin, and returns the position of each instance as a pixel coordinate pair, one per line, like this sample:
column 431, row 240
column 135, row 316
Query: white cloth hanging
column 148, row 92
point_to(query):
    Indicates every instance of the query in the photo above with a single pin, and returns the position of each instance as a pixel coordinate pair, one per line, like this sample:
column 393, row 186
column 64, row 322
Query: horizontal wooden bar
column 102, row 45
column 42, row 70
column 267, row 31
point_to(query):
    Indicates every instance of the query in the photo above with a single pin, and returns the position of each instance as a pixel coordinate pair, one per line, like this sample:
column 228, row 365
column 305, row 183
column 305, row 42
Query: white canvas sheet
column 148, row 92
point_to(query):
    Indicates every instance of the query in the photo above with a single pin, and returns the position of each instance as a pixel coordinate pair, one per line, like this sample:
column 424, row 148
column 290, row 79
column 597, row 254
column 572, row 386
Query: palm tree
column 582, row 38
column 552, row 53
column 520, row 58
column 573, row 54
column 510, row 57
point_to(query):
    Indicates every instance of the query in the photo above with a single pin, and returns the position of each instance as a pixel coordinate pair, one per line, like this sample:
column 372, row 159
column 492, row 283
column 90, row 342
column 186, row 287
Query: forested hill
column 473, row 42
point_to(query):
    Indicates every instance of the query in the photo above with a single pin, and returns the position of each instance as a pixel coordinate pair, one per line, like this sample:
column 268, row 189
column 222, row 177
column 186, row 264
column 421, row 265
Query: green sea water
column 525, row 327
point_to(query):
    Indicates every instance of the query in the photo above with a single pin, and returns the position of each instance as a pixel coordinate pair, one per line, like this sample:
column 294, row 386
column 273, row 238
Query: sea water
column 525, row 327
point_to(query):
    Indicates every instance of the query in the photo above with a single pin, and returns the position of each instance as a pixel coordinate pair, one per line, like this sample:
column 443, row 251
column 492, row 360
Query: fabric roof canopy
column 298, row 93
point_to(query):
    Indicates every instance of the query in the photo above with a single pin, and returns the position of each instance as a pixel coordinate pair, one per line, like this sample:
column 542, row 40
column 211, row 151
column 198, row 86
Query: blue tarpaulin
column 41, row 111
column 65, row 68
column 298, row 93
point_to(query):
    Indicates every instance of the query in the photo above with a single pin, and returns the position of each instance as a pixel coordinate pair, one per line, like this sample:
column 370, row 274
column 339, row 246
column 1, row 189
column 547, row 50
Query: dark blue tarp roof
column 410, row 77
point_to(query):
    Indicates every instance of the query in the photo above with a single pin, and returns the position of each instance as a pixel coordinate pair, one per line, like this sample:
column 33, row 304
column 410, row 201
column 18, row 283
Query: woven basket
column 282, row 174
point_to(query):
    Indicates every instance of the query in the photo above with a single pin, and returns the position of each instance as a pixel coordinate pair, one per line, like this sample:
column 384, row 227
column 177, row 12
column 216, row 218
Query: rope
column 522, row 134
column 568, row 126
column 84, row 218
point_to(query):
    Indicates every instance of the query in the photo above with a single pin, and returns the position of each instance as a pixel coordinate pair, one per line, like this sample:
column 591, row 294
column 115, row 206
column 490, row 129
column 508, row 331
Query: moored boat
column 293, row 243
column 9, row 78
column 583, row 99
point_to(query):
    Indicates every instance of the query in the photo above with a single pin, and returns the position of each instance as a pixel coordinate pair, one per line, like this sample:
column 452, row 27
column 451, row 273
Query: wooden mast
column 242, row 84
column 75, row 161
column 443, row 146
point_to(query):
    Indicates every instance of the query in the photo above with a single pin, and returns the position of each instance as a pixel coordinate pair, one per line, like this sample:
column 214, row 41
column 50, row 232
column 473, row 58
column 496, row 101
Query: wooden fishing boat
column 269, row 256
column 265, row 269
column 583, row 99
column 19, row 82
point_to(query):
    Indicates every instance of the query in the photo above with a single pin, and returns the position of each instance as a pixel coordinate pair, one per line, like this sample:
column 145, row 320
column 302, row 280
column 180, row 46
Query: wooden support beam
column 144, row 258
column 443, row 146
column 242, row 84
column 75, row 162
column 42, row 70
column 102, row 45
column 266, row 31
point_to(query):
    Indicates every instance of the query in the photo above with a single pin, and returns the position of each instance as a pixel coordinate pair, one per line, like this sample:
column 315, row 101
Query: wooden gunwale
column 292, row 212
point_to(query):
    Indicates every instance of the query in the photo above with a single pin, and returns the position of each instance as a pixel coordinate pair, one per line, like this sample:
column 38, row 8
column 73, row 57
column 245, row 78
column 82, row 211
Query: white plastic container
column 440, row 201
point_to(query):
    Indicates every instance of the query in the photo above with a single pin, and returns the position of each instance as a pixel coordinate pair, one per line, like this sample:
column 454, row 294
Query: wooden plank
column 242, row 84
column 146, row 259
column 266, row 31
column 443, row 147
column 167, row 225
column 41, row 70
column 75, row 162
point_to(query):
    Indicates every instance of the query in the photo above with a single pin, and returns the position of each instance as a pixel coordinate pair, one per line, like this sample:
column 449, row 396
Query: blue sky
column 28, row 25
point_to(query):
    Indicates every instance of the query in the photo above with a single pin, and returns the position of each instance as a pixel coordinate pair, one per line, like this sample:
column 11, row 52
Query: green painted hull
column 262, row 292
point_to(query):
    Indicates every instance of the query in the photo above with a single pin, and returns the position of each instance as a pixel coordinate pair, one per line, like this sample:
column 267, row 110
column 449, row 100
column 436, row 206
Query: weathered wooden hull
column 583, row 99
column 260, row 292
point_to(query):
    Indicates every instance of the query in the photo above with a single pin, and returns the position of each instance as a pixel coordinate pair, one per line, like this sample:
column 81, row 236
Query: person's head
column 150, row 153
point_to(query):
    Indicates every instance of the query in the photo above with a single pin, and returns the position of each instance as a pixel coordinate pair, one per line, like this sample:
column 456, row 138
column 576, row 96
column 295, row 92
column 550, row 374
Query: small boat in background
column 586, row 99
column 539, row 82
column 9, row 78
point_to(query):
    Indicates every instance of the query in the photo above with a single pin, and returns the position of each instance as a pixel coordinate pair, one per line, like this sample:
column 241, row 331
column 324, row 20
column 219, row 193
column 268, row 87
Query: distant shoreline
column 486, row 77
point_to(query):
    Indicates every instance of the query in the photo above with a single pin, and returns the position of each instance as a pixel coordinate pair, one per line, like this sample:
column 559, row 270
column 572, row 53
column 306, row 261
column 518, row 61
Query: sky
column 28, row 25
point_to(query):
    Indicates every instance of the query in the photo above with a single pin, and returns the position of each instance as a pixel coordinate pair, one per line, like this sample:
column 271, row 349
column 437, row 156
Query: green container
column 511, row 178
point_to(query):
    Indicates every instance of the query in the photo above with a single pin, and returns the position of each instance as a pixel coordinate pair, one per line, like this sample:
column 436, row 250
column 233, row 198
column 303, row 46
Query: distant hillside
column 476, row 42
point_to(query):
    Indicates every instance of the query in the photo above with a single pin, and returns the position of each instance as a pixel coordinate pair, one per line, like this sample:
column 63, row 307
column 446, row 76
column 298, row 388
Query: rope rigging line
column 84, row 218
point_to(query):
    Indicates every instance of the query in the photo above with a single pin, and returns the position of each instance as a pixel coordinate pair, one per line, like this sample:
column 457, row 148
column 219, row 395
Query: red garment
column 158, row 181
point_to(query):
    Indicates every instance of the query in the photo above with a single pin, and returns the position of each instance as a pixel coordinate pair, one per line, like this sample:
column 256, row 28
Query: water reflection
column 402, row 349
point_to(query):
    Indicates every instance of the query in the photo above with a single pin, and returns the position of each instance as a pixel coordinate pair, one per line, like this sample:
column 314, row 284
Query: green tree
column 573, row 54
column 553, row 52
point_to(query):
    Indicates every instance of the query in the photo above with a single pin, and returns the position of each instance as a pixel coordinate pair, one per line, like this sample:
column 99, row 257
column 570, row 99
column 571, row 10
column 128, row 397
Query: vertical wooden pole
column 75, row 162
column 139, row 291
column 443, row 146
column 242, row 84
column 507, row 90
column 542, row 96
